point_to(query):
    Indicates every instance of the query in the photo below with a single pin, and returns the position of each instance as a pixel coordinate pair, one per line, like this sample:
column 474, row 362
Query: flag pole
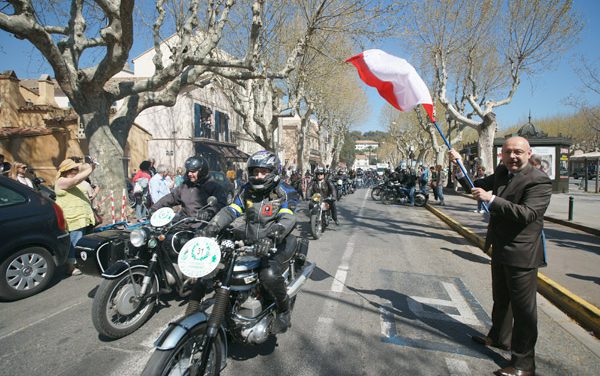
column 458, row 161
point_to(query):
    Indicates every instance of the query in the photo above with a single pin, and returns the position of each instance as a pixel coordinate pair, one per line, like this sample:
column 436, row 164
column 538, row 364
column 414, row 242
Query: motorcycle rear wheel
column 114, row 314
column 316, row 228
column 176, row 362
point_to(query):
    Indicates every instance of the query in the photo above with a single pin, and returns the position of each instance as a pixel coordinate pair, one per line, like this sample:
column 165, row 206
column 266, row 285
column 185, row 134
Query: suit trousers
column 514, row 315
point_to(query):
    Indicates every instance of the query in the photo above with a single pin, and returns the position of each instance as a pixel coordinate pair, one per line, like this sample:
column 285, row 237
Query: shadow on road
column 594, row 279
column 468, row 256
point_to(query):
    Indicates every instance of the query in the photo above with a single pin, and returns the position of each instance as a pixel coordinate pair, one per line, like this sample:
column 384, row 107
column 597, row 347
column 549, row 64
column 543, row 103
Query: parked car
column 34, row 242
column 221, row 178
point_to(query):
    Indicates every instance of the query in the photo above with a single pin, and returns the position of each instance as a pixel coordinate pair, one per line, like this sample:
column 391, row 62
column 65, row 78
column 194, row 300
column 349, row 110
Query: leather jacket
column 261, row 211
column 324, row 187
column 192, row 197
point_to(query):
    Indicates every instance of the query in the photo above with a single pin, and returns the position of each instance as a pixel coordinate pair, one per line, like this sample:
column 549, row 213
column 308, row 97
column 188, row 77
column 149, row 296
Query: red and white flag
column 394, row 78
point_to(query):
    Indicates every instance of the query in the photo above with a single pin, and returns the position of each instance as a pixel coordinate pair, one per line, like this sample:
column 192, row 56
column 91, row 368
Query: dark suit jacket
column 516, row 215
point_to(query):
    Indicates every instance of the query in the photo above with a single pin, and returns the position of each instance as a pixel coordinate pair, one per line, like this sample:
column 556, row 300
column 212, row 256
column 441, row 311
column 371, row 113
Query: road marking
column 39, row 321
column 465, row 314
column 457, row 367
column 388, row 322
column 342, row 272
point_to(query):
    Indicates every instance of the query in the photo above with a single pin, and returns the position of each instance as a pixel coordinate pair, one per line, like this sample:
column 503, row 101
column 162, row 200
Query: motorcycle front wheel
column 388, row 198
column 185, row 355
column 420, row 199
column 376, row 193
column 316, row 228
column 115, row 311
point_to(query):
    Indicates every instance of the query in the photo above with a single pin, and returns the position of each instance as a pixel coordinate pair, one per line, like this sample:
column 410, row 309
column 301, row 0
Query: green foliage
column 378, row 136
column 347, row 153
column 580, row 127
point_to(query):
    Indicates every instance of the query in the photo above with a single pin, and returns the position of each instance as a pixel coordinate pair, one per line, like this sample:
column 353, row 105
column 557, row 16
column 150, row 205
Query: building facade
column 37, row 131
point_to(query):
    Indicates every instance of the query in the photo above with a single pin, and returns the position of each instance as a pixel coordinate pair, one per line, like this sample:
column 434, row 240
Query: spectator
column 440, row 181
column 152, row 167
column 159, row 184
column 75, row 204
column 433, row 175
column 4, row 166
column 479, row 174
column 18, row 174
column 536, row 161
column 410, row 177
column 179, row 177
column 140, row 189
column 423, row 179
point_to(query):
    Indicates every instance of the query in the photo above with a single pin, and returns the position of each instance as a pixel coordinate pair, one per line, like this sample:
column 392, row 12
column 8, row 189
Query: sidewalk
column 586, row 207
column 573, row 255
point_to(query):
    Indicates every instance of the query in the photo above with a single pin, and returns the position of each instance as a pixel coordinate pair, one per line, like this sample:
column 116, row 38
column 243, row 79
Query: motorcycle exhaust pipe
column 294, row 287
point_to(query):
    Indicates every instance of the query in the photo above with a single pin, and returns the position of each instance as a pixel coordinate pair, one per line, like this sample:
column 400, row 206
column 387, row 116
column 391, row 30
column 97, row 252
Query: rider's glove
column 276, row 231
column 204, row 215
column 263, row 246
column 210, row 231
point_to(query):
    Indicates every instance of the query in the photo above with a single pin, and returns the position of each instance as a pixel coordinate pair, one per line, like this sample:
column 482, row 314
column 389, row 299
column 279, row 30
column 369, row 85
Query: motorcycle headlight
column 138, row 237
column 316, row 197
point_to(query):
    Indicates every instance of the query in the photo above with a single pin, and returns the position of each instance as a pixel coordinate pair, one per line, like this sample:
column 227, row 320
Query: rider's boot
column 283, row 319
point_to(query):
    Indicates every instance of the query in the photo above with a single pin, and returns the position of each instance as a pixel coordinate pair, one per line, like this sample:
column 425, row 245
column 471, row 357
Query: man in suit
column 519, row 197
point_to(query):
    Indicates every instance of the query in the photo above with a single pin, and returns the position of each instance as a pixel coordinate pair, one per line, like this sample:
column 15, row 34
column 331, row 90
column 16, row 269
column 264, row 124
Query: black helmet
column 268, row 160
column 197, row 163
column 319, row 171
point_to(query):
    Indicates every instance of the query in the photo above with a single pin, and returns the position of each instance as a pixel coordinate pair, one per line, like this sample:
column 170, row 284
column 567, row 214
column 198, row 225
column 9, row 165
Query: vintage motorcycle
column 340, row 187
column 131, row 287
column 320, row 214
column 397, row 193
column 242, row 311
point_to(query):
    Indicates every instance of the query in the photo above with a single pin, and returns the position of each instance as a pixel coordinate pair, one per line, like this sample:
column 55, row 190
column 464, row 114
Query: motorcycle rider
column 326, row 189
column 269, row 221
column 193, row 193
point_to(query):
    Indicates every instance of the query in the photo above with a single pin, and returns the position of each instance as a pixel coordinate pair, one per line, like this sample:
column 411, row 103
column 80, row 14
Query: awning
column 230, row 153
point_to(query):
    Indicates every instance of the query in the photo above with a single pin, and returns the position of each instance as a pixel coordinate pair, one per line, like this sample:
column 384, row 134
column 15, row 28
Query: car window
column 10, row 197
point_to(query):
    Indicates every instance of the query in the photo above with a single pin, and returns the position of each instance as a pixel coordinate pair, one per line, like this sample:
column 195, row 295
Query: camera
column 88, row 159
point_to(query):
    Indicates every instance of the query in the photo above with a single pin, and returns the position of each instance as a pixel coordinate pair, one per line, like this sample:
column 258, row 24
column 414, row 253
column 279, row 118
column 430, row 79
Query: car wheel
column 25, row 273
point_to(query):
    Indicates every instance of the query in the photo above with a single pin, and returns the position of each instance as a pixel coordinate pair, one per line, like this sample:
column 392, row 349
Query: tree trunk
column 109, row 175
column 485, row 145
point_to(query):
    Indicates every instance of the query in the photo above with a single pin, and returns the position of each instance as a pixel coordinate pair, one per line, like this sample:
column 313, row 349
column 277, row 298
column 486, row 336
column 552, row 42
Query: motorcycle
column 131, row 287
column 378, row 191
column 320, row 214
column 401, row 194
column 242, row 311
column 340, row 188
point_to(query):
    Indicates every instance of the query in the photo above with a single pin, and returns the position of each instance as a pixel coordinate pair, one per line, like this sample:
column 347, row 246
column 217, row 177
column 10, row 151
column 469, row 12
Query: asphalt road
column 395, row 293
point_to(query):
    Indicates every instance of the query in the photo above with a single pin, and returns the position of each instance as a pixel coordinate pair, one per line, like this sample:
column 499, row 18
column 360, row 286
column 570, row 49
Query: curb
column 589, row 230
column 576, row 226
column 585, row 313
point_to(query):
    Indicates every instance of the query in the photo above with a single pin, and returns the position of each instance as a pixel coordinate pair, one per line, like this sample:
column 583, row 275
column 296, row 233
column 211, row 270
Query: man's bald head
column 515, row 153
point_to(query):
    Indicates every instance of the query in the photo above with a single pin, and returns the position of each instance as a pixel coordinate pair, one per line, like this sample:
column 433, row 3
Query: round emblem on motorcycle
column 162, row 216
column 199, row 257
column 83, row 256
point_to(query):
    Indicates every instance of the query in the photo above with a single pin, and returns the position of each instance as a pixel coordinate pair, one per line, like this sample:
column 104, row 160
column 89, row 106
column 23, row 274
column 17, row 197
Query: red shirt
column 140, row 175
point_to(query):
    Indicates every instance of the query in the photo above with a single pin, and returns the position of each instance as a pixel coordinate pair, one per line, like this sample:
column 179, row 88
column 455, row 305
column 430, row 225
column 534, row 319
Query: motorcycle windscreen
column 199, row 257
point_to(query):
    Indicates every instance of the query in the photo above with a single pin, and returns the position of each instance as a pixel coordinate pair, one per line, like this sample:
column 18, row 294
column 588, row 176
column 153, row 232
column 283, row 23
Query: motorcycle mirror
column 211, row 201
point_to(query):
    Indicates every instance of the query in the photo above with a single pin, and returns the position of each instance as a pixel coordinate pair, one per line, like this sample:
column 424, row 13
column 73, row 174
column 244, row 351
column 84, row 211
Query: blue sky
column 542, row 94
